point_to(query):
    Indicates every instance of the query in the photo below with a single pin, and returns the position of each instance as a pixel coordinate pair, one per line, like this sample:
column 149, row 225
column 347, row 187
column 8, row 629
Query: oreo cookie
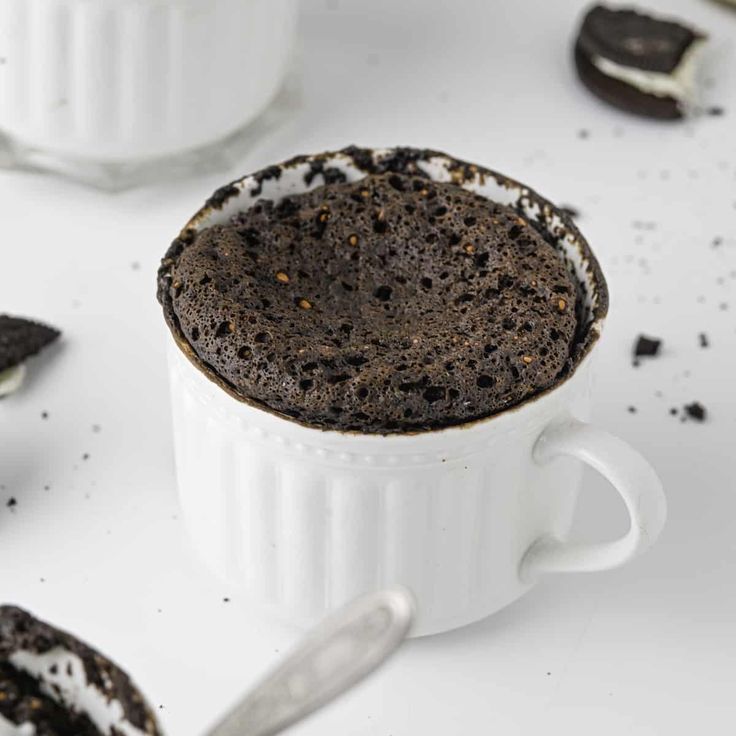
column 20, row 339
column 51, row 684
column 638, row 63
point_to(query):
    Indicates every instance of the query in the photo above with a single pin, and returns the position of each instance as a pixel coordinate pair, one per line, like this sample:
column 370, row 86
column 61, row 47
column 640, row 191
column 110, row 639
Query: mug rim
column 558, row 228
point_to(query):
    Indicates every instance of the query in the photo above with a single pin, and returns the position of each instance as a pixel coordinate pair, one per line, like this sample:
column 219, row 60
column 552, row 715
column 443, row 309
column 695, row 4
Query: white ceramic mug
column 467, row 517
column 121, row 81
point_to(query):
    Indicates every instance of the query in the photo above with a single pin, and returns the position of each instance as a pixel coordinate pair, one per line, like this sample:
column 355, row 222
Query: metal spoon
column 336, row 655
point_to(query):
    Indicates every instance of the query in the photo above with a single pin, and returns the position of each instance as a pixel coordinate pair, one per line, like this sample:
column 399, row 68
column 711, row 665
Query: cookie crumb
column 703, row 339
column 647, row 346
column 12, row 502
column 695, row 411
column 632, row 410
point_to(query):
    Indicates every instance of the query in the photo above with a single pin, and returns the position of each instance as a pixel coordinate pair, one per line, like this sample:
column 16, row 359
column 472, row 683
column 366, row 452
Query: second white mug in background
column 115, row 82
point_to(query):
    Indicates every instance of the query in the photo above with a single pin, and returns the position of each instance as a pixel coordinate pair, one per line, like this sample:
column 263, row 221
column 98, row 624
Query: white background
column 649, row 649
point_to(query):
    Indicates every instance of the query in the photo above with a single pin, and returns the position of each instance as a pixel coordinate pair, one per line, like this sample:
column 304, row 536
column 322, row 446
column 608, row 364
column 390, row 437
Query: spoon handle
column 337, row 654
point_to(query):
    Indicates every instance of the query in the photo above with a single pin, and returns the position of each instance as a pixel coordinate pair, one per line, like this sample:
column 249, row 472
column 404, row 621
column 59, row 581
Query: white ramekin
column 467, row 517
column 123, row 80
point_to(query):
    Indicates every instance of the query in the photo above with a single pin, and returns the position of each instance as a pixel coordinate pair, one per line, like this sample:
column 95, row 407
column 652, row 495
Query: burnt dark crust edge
column 622, row 95
column 402, row 160
column 19, row 630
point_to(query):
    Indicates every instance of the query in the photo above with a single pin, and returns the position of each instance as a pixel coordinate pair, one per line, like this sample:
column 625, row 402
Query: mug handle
column 628, row 472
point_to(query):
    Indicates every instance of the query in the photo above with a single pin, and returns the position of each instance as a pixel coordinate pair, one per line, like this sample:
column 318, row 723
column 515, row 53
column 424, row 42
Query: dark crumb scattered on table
column 135, row 266
column 12, row 501
column 44, row 415
column 96, row 428
column 85, row 456
column 703, row 338
column 583, row 133
column 673, row 411
column 716, row 241
column 632, row 410
column 715, row 111
column 646, row 346
column 226, row 600
column 695, row 411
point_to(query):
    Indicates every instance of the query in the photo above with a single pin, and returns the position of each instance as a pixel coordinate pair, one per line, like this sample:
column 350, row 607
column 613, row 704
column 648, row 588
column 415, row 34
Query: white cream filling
column 11, row 379
column 679, row 83
column 8, row 728
column 69, row 677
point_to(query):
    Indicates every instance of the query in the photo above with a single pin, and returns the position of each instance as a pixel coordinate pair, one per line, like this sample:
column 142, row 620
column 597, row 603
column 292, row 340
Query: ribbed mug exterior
column 120, row 80
column 303, row 519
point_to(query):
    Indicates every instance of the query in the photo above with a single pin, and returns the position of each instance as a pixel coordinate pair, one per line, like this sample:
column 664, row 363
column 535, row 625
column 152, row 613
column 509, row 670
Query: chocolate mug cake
column 376, row 357
column 388, row 304
column 52, row 684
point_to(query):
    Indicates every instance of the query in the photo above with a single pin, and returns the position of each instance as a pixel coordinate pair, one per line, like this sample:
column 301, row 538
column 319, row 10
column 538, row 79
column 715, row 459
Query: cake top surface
column 389, row 304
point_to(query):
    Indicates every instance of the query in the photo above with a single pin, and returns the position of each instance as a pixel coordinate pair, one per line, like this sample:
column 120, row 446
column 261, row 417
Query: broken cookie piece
column 19, row 340
column 695, row 411
column 638, row 63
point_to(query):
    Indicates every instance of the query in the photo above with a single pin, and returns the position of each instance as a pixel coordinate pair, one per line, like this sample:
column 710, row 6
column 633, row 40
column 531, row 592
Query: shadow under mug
column 467, row 517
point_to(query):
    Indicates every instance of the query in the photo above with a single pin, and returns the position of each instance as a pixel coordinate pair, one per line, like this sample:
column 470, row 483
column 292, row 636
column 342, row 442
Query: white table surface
column 649, row 649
